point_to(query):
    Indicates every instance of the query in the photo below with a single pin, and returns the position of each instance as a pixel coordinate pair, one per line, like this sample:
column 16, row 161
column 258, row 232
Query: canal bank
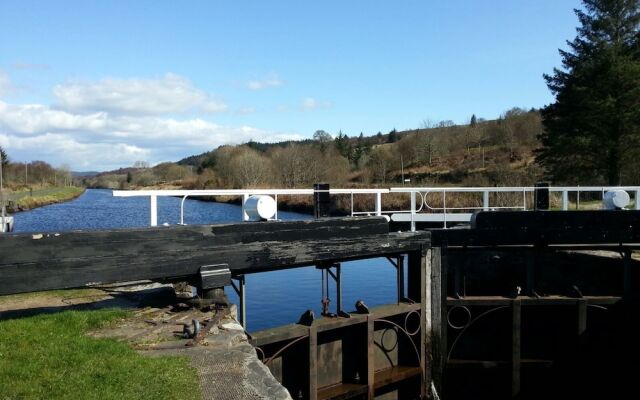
column 31, row 199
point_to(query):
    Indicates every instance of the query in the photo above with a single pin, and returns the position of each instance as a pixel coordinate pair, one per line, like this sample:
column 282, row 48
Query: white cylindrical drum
column 260, row 207
column 615, row 199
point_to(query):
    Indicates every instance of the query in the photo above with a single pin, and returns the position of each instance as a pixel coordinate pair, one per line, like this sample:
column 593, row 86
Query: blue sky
column 99, row 85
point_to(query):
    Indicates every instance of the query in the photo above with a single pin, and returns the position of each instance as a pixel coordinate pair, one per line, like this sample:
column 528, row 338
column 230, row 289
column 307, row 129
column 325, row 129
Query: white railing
column 454, row 213
column 421, row 208
column 244, row 193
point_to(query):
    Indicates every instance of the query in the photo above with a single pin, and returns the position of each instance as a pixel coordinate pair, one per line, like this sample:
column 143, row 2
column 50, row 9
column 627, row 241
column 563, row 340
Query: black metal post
column 321, row 200
column 541, row 196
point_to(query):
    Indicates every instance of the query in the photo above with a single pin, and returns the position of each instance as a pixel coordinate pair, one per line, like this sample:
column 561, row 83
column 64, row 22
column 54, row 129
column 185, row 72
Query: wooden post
column 313, row 363
column 370, row 358
column 515, row 347
column 582, row 317
column 420, row 291
column 530, row 262
column 438, row 316
column 628, row 285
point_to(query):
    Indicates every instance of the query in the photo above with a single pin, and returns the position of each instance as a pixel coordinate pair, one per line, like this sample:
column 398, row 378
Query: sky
column 98, row 85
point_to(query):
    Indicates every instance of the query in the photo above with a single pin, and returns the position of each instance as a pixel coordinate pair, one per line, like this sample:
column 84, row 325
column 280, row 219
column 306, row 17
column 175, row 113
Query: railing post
column 413, row 211
column 245, row 216
column 153, row 209
column 565, row 200
column 378, row 203
column 182, row 210
column 485, row 200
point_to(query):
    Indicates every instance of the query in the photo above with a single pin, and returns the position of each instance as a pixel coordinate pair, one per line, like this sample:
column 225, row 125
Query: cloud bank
column 112, row 123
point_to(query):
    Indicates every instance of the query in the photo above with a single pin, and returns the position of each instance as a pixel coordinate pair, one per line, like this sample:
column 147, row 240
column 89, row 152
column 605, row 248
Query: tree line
column 20, row 175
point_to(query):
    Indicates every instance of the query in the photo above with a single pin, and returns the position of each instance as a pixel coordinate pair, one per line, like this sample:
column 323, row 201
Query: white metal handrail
column 244, row 193
column 486, row 191
column 416, row 209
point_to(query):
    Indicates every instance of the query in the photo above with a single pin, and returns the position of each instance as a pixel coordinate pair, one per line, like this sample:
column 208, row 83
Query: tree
column 393, row 136
column 343, row 145
column 141, row 164
column 594, row 125
column 323, row 138
column 4, row 156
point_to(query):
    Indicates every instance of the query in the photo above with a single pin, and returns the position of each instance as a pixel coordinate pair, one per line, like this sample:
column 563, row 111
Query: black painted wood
column 66, row 260
column 507, row 228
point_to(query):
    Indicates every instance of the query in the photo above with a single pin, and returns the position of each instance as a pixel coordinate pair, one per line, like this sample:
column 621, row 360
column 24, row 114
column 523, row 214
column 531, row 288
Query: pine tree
column 4, row 156
column 593, row 127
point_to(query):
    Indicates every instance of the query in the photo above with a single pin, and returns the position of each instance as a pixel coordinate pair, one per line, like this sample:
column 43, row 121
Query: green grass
column 27, row 200
column 51, row 357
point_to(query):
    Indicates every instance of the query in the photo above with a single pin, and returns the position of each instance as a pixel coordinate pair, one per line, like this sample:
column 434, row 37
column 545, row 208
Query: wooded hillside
column 495, row 152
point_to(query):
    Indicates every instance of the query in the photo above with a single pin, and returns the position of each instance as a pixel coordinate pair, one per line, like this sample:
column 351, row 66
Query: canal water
column 273, row 298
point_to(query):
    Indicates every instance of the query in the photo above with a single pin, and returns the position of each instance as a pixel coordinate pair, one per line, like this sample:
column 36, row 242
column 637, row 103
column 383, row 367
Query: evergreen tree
column 343, row 145
column 594, row 125
column 4, row 156
column 393, row 136
column 473, row 121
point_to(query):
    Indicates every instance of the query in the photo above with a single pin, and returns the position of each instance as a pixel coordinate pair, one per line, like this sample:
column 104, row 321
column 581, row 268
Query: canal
column 273, row 298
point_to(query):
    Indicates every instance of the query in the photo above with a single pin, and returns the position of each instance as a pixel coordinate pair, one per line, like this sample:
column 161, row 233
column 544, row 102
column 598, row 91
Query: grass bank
column 29, row 199
column 51, row 357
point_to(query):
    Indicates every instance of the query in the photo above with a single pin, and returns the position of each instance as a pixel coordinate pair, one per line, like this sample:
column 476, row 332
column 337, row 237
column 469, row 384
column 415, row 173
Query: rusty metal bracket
column 327, row 272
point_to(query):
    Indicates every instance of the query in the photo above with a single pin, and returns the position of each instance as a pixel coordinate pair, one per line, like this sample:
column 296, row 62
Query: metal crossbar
column 423, row 207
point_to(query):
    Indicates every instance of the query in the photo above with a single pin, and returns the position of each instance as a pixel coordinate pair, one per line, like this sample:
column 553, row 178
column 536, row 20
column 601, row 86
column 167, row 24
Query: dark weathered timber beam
column 511, row 228
column 79, row 258
column 34, row 247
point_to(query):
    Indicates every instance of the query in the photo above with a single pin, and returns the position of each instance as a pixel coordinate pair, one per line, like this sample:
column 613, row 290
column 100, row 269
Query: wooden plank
column 545, row 227
column 619, row 220
column 53, row 269
column 292, row 331
column 530, row 301
column 341, row 391
column 395, row 374
column 516, row 347
column 21, row 248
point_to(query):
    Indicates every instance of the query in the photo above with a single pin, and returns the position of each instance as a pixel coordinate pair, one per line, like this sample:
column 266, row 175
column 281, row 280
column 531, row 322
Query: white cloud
column 309, row 103
column 170, row 94
column 35, row 118
column 272, row 81
column 103, row 141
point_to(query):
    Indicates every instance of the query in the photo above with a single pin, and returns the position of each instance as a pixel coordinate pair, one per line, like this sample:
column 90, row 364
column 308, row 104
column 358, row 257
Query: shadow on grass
column 155, row 297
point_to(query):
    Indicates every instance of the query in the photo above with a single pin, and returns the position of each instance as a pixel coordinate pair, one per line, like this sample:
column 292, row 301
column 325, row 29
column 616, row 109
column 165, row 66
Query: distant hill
column 84, row 173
